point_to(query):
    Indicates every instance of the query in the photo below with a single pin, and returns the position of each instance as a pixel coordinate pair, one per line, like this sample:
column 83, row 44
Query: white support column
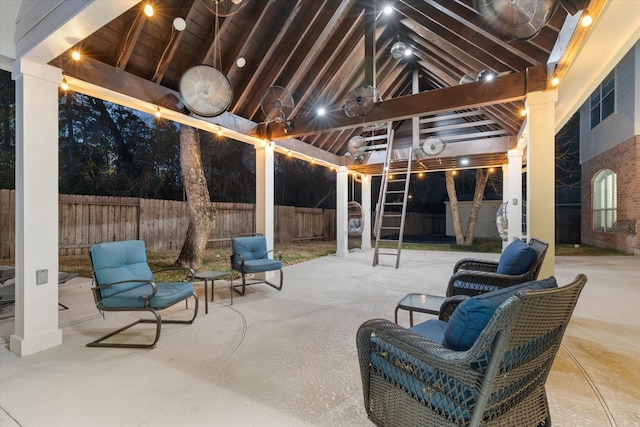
column 514, row 194
column 366, row 208
column 36, row 308
column 342, row 200
column 541, row 172
column 265, row 197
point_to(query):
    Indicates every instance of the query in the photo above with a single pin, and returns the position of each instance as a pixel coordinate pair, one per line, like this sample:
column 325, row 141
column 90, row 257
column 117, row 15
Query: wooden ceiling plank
column 498, row 60
column 130, row 41
column 274, row 47
column 327, row 65
column 473, row 21
column 187, row 10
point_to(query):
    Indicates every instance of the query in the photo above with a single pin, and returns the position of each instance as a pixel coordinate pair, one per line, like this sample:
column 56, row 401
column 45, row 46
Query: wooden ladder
column 392, row 203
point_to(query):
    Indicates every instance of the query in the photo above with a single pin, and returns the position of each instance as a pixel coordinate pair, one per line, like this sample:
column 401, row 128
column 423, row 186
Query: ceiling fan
column 361, row 101
column 516, row 19
column 277, row 104
column 432, row 146
column 225, row 7
column 356, row 148
column 205, row 91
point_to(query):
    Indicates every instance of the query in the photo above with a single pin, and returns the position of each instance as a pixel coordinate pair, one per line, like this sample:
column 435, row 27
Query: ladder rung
column 395, row 192
column 390, row 228
column 387, row 253
column 393, row 203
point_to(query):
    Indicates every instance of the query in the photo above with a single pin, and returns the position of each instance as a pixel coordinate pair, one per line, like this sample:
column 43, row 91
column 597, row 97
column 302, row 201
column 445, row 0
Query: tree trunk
column 201, row 211
column 466, row 239
column 453, row 203
column 482, row 176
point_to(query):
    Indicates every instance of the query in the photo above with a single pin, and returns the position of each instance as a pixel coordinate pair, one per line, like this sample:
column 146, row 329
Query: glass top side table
column 422, row 303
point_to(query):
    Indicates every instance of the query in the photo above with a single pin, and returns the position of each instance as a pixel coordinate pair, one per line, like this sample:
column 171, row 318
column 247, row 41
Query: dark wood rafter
column 504, row 89
column 129, row 42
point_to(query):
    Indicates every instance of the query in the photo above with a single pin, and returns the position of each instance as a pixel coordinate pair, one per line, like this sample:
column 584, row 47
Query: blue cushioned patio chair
column 123, row 281
column 250, row 255
column 487, row 366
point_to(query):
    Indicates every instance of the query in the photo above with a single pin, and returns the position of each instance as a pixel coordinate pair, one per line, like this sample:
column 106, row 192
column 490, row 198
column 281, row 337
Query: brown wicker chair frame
column 499, row 381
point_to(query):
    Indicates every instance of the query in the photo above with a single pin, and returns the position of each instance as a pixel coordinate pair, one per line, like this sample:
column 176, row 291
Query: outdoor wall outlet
column 515, row 202
column 42, row 277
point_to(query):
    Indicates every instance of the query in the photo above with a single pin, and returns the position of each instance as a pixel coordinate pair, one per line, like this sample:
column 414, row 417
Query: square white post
column 541, row 219
column 366, row 209
column 342, row 197
column 36, row 308
column 514, row 195
column 265, row 196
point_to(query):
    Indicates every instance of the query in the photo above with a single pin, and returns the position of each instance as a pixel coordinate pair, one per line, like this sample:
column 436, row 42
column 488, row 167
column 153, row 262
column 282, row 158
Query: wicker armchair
column 411, row 380
column 475, row 276
column 518, row 263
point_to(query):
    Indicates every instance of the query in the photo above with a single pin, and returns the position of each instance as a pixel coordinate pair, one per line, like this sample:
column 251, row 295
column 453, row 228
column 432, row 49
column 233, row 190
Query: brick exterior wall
column 624, row 161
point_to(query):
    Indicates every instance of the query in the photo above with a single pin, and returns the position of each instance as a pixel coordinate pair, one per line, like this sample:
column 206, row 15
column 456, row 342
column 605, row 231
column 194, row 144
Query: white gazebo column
column 342, row 200
column 36, row 308
column 514, row 194
column 265, row 197
column 541, row 172
column 366, row 209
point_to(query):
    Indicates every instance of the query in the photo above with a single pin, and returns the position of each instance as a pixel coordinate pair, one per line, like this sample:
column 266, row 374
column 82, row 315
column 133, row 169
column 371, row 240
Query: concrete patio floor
column 288, row 358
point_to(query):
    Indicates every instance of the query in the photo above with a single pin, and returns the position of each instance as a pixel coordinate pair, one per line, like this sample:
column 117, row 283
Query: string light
column 555, row 80
column 586, row 19
column 75, row 55
column 148, row 9
column 64, row 85
column 523, row 112
column 158, row 113
column 219, row 131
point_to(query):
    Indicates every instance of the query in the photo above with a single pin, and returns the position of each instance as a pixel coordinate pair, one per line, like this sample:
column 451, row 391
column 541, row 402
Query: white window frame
column 605, row 200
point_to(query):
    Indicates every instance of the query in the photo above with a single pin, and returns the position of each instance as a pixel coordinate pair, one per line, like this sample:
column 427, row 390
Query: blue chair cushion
column 516, row 258
column 167, row 294
column 254, row 251
column 259, row 265
column 432, row 329
column 472, row 315
column 119, row 261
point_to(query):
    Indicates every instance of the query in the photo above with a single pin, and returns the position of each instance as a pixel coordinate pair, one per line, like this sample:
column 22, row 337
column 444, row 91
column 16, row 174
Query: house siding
column 615, row 144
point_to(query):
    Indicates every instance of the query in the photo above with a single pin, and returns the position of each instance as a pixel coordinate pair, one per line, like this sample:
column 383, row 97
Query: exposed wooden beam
column 506, row 88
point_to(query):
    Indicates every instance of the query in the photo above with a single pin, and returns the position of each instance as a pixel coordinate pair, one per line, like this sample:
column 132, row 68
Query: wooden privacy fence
column 162, row 224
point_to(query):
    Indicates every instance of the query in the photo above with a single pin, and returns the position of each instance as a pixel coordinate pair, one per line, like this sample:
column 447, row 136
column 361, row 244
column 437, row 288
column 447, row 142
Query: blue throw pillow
column 516, row 258
column 472, row 315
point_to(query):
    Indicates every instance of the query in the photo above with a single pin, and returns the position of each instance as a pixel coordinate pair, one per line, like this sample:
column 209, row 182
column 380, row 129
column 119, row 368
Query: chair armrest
column 189, row 271
column 449, row 306
column 277, row 254
column 466, row 282
column 476, row 265
column 151, row 283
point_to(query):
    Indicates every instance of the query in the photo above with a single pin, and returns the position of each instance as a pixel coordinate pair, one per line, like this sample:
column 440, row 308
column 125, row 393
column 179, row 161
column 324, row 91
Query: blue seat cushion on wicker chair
column 472, row 315
column 166, row 295
column 433, row 330
column 516, row 258
column 119, row 261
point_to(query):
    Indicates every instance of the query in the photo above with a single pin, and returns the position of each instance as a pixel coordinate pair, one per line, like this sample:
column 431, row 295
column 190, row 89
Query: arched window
column 605, row 200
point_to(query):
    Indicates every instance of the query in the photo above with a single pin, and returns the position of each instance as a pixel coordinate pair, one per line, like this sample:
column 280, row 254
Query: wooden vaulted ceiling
column 319, row 51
